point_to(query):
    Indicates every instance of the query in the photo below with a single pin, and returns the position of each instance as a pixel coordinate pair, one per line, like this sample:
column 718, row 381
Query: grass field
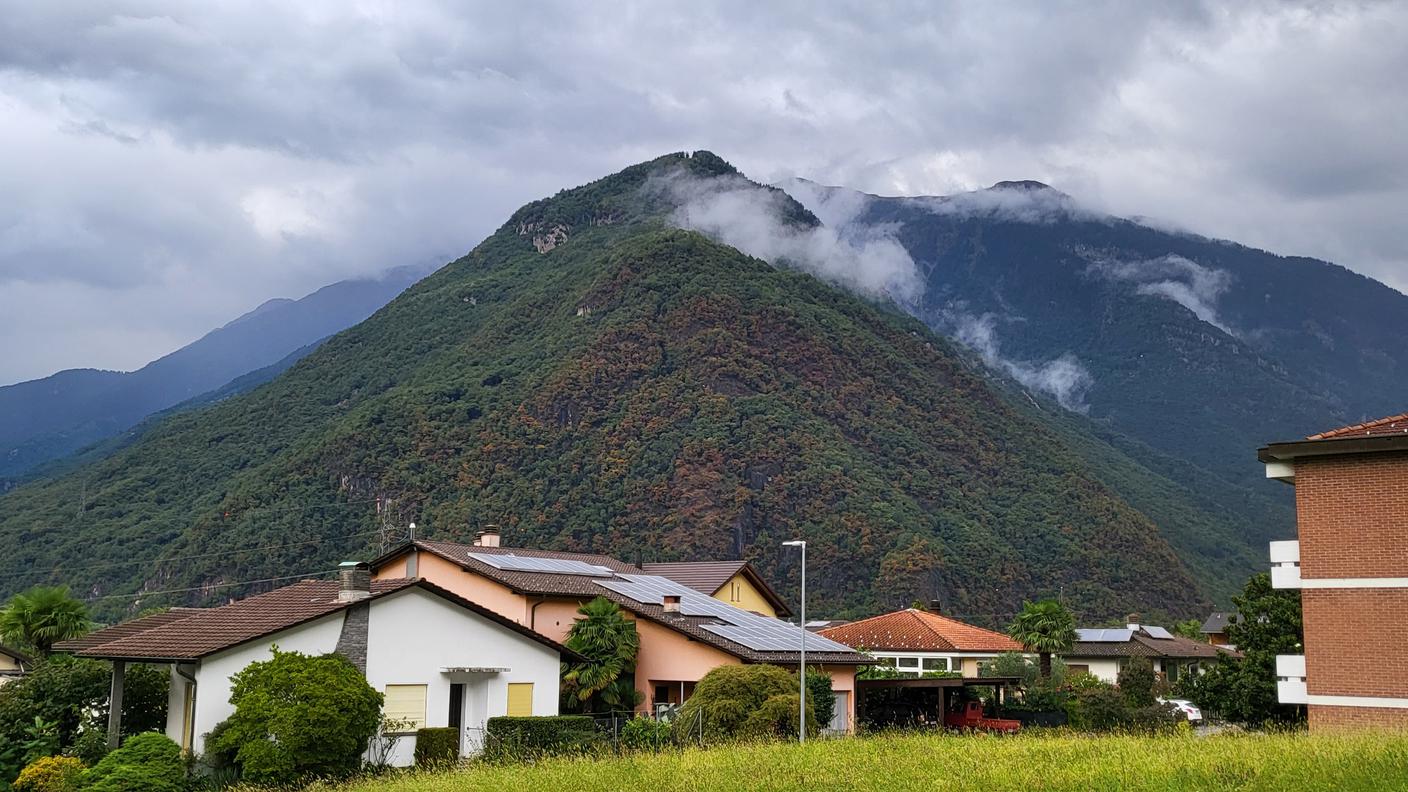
column 980, row 763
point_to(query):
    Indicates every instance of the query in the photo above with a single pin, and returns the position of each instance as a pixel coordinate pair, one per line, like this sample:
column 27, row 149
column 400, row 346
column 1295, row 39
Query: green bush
column 1098, row 709
column 727, row 697
column 50, row 774
column 777, row 719
column 1136, row 682
column 148, row 762
column 437, row 746
column 510, row 737
column 643, row 733
column 297, row 717
column 90, row 746
column 70, row 696
column 821, row 699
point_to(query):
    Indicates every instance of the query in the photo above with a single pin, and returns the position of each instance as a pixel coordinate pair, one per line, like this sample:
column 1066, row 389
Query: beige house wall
column 741, row 593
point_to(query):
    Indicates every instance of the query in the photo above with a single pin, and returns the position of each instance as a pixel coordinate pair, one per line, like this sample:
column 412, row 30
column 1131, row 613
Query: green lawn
column 980, row 763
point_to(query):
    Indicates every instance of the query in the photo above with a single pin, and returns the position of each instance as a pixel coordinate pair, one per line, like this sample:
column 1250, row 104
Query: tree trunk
column 1045, row 665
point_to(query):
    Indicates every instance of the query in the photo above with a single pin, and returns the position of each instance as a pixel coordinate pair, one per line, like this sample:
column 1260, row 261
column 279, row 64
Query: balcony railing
column 1290, row 679
column 1285, row 565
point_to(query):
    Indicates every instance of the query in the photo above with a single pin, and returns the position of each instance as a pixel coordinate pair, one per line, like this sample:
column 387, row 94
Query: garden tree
column 297, row 717
column 1191, row 628
column 69, row 698
column 729, row 696
column 608, row 641
column 43, row 616
column 1136, row 682
column 1244, row 689
column 1044, row 627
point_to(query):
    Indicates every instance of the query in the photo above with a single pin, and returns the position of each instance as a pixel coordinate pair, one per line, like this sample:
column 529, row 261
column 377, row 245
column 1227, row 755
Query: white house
column 439, row 659
column 13, row 664
column 1105, row 652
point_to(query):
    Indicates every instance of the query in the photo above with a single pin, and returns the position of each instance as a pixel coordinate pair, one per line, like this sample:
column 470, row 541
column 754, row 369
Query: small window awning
column 475, row 670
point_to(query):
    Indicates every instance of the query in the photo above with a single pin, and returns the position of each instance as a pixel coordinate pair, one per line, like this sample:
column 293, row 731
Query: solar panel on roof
column 760, row 633
column 1104, row 636
column 559, row 566
column 1157, row 632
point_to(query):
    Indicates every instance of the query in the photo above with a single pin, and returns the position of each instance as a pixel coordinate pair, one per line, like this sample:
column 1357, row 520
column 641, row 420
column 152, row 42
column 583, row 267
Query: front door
column 456, row 715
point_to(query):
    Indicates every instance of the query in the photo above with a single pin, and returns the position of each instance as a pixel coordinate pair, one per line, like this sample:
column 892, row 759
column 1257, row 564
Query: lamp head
column 795, row 543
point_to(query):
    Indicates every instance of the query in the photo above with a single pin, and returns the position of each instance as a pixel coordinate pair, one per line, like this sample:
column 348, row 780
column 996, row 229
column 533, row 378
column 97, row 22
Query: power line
column 215, row 586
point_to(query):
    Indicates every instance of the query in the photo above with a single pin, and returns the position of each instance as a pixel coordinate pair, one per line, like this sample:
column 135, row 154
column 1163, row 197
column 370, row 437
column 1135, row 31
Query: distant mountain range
column 1201, row 349
column 594, row 377
column 47, row 419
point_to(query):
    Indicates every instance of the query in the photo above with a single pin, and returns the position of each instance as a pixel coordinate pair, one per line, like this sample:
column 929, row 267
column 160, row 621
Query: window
column 735, row 592
column 520, row 699
column 907, row 662
column 1075, row 668
column 885, row 662
column 406, row 703
column 935, row 664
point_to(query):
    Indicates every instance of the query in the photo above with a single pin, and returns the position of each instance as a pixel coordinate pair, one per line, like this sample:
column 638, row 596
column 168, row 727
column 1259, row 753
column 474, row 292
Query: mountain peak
column 1026, row 185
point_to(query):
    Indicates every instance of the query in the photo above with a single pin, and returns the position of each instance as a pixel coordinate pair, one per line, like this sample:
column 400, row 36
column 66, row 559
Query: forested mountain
column 592, row 378
column 47, row 419
column 1200, row 348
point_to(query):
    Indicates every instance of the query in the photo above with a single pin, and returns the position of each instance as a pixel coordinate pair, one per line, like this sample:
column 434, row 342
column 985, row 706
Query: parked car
column 1186, row 708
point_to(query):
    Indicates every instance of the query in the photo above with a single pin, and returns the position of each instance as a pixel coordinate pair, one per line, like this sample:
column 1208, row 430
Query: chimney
column 1131, row 621
column 935, row 606
column 671, row 603
column 489, row 537
column 355, row 581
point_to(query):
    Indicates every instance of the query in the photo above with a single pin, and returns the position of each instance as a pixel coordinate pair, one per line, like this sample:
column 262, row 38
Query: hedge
column 437, row 746
column 511, row 737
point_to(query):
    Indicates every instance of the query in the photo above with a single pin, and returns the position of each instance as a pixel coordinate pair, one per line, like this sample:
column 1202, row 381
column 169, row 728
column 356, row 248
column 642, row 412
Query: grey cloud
column 748, row 217
column 1063, row 378
column 213, row 155
column 1172, row 277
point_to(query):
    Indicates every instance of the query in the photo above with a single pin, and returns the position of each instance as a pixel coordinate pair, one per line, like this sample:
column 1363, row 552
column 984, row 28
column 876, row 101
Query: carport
column 920, row 702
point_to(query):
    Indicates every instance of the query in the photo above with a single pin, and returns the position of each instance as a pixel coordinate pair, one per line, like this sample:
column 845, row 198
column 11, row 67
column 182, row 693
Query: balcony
column 1290, row 679
column 1285, row 565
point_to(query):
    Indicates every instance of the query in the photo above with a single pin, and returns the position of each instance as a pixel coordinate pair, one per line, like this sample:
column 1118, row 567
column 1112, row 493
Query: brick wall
column 1356, row 642
column 1323, row 718
column 1352, row 521
column 1352, row 516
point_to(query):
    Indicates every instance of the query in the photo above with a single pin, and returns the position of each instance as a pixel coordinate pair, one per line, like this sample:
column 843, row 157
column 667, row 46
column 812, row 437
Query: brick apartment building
column 1350, row 563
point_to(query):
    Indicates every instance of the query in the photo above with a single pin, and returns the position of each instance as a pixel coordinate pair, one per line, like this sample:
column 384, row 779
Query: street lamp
column 802, row 657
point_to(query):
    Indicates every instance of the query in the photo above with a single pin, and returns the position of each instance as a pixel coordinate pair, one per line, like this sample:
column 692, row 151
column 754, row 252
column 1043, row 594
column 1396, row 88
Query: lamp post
column 802, row 656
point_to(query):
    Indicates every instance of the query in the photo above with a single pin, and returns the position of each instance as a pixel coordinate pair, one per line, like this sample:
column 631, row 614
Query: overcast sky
column 166, row 166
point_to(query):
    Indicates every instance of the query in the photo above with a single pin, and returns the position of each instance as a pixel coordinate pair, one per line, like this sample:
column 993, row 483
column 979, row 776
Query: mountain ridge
column 591, row 378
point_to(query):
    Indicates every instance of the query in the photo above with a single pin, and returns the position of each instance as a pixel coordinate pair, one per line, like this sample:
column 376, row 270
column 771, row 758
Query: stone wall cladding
column 352, row 643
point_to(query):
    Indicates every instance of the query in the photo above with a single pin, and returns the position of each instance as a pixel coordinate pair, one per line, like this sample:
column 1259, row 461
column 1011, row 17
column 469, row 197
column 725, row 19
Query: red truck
column 970, row 716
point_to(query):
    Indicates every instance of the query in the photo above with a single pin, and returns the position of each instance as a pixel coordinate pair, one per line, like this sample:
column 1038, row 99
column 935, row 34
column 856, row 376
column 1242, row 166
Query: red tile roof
column 125, row 629
column 198, row 633
column 917, row 630
column 1392, row 425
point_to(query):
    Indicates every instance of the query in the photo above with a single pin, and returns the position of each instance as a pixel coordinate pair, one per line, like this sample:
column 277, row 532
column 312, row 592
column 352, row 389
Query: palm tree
column 1044, row 627
column 608, row 641
column 43, row 616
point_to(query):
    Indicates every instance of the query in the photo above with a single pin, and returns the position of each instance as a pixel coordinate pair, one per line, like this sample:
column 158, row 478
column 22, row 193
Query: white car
column 1187, row 708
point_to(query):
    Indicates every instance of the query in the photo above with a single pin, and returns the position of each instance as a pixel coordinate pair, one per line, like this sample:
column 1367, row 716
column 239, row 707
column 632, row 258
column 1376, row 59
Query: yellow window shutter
column 405, row 703
column 520, row 699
